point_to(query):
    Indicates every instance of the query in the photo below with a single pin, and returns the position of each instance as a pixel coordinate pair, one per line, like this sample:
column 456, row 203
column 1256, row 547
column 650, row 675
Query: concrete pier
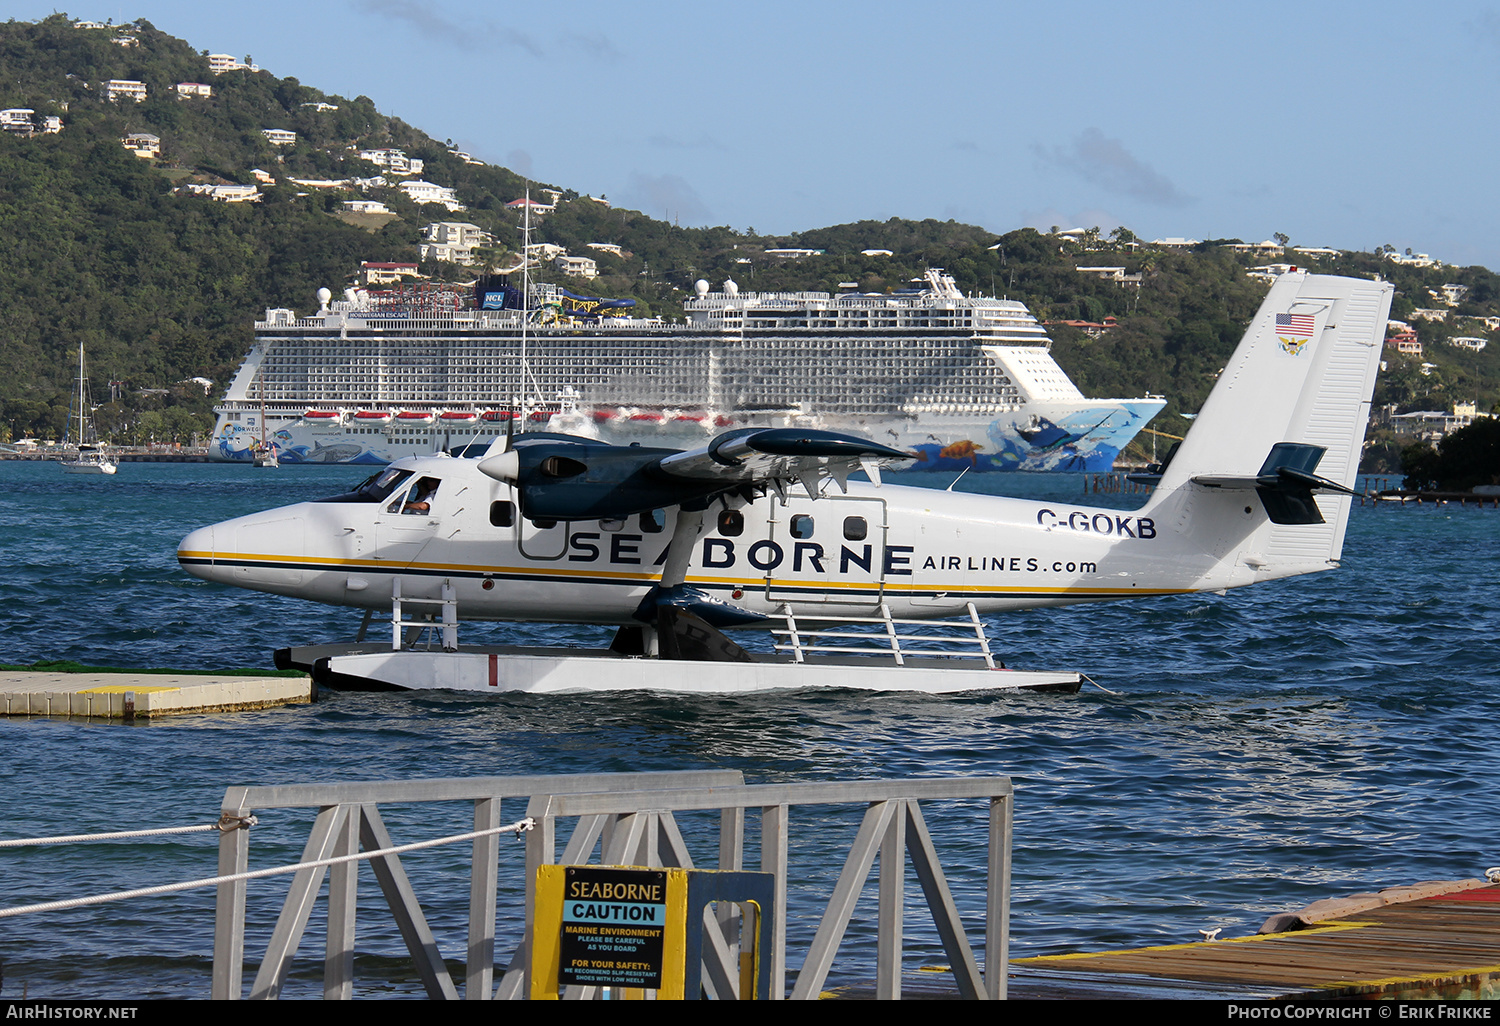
column 127, row 696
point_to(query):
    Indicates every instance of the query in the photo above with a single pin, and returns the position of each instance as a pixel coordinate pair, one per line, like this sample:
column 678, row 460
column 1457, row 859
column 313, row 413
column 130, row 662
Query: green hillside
column 162, row 286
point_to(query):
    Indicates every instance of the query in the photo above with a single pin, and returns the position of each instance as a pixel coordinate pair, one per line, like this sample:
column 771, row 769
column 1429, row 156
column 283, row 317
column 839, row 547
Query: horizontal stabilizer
column 1285, row 483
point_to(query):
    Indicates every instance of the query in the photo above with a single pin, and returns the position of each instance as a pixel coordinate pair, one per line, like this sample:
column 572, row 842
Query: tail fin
column 1287, row 418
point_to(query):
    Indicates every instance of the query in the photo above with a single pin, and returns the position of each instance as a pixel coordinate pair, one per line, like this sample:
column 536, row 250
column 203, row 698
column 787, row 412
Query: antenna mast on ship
column 523, row 408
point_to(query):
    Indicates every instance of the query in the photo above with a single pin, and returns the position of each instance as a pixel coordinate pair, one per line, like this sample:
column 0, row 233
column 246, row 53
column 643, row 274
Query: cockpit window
column 373, row 488
column 417, row 501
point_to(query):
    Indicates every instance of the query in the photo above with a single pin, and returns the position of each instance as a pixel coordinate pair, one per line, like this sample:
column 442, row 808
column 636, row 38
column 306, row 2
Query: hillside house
column 428, row 192
column 577, row 266
column 394, row 161
column 279, row 136
column 1431, row 425
column 1450, row 295
column 376, row 273
column 536, row 206
column 364, row 206
column 117, row 89
column 1093, row 329
column 219, row 63
column 223, row 193
column 1262, row 249
column 1431, row 315
column 453, row 242
column 186, row 89
column 143, row 144
column 1405, row 342
column 1114, row 274
column 20, row 120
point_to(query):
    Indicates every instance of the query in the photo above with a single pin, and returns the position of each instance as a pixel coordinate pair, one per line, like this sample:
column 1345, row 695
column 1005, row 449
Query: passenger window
column 502, row 514
column 611, row 525
column 731, row 523
column 802, row 526
column 855, row 529
column 653, row 521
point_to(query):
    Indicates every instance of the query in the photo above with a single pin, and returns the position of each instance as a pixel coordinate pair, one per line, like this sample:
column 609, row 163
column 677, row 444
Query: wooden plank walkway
column 1438, row 940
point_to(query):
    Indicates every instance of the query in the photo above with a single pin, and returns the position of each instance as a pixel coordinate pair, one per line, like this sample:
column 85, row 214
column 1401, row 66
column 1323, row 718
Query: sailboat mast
column 81, row 414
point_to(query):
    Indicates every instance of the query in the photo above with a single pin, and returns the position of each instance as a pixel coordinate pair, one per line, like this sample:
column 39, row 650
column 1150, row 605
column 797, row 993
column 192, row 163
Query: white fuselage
column 923, row 553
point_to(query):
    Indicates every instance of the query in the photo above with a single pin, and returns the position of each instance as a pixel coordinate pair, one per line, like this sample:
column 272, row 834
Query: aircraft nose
column 195, row 553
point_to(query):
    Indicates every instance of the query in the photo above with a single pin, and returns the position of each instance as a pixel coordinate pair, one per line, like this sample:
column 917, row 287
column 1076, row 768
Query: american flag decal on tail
column 1295, row 325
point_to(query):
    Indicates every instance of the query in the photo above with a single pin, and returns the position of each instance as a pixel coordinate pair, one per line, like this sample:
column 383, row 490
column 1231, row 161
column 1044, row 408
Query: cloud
column 1106, row 163
column 666, row 196
column 519, row 161
column 1486, row 27
column 429, row 22
column 595, row 45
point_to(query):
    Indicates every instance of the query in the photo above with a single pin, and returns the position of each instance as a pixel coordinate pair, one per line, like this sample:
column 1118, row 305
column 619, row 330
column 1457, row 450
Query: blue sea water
column 1257, row 751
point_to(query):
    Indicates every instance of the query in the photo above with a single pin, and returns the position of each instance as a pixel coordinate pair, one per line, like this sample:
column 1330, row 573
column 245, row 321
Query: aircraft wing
column 565, row 478
column 782, row 455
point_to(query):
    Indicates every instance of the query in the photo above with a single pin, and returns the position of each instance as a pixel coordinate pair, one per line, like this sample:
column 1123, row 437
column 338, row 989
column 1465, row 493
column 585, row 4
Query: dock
column 1435, row 940
column 130, row 696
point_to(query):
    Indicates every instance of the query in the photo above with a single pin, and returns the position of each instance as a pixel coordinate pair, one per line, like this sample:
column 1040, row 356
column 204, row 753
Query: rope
column 225, row 824
column 1096, row 684
column 256, row 874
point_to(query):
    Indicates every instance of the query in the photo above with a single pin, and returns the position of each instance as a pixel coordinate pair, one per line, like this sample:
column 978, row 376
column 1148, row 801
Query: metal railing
column 629, row 819
column 960, row 639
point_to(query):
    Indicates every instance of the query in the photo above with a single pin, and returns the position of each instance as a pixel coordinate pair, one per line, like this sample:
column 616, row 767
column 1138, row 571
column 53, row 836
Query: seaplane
column 679, row 550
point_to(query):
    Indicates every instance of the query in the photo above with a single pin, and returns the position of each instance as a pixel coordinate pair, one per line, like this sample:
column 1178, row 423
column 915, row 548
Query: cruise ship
column 966, row 382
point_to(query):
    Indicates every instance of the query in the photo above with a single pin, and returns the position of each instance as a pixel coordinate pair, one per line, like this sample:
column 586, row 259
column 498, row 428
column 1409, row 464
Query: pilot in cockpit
column 420, row 501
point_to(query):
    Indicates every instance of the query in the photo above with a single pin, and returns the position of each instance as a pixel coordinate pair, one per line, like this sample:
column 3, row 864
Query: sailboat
column 92, row 457
column 263, row 453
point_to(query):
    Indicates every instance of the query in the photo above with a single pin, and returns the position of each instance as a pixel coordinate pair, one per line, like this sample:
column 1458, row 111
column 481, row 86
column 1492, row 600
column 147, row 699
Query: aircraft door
column 829, row 551
column 536, row 540
column 408, row 520
column 542, row 539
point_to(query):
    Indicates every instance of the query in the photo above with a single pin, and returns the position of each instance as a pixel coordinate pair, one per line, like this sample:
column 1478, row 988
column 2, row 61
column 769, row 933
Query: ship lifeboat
column 323, row 416
column 541, row 416
column 604, row 416
column 496, row 415
column 458, row 416
column 722, row 421
column 372, row 417
column 645, row 418
column 690, row 418
column 414, row 418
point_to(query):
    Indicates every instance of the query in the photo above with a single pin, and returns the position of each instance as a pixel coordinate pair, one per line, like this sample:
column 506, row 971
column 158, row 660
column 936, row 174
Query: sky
column 1350, row 125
